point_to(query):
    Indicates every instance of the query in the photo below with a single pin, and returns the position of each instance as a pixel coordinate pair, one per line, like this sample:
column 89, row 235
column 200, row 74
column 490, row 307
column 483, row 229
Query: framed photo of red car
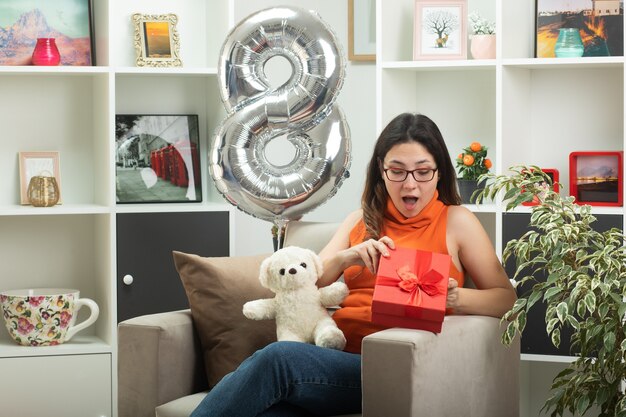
column 439, row 29
column 596, row 178
column 554, row 176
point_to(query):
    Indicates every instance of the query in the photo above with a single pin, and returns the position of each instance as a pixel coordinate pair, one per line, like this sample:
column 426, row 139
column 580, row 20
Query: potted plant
column 580, row 275
column 471, row 163
column 483, row 38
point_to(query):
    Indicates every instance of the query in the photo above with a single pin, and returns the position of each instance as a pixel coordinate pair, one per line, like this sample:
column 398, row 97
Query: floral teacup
column 44, row 316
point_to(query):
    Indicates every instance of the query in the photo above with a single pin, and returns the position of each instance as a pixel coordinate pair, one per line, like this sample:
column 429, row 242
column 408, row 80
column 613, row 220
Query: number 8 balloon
column 302, row 110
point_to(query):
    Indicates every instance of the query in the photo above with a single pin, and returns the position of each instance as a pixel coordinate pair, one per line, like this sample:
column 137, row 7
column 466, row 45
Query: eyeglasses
column 419, row 175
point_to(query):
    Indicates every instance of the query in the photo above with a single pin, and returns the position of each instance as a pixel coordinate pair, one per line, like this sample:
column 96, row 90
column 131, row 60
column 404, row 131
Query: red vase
column 46, row 52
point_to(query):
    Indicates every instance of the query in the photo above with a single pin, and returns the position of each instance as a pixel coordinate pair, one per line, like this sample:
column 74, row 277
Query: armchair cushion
column 217, row 288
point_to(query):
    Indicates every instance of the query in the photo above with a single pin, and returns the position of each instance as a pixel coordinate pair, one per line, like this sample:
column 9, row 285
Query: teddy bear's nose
column 292, row 271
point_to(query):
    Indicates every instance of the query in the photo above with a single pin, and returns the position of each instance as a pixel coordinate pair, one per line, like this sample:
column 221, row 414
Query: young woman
column 410, row 200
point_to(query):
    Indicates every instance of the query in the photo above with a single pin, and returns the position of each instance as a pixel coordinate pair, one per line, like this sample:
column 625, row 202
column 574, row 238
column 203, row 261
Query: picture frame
column 601, row 25
column 362, row 30
column 439, row 29
column 554, row 176
column 38, row 163
column 596, row 178
column 157, row 158
column 157, row 43
column 74, row 37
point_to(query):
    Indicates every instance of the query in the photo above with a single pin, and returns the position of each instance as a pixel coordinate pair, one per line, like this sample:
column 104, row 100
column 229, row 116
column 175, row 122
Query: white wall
column 357, row 99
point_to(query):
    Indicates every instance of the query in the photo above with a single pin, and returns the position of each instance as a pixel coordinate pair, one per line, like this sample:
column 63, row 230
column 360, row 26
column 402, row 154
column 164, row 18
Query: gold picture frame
column 362, row 30
column 157, row 42
column 36, row 164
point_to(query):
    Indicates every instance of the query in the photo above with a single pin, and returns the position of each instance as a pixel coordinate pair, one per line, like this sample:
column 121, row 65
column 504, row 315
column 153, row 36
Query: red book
column 411, row 289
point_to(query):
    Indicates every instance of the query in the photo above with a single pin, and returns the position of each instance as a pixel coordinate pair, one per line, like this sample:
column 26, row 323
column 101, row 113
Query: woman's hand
column 453, row 294
column 368, row 253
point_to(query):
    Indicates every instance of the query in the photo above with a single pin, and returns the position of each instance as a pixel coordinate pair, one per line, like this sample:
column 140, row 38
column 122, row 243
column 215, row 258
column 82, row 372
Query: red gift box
column 411, row 289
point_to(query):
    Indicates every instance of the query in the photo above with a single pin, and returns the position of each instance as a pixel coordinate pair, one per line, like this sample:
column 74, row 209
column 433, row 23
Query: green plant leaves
column 609, row 341
column 561, row 311
column 585, row 289
column 551, row 292
column 582, row 405
column 590, row 302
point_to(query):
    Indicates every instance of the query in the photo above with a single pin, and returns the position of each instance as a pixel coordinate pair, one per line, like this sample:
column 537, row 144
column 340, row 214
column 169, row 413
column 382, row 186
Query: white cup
column 45, row 316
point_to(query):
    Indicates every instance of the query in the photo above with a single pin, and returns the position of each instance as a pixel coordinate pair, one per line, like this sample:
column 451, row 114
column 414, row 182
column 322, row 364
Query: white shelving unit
column 526, row 110
column 73, row 245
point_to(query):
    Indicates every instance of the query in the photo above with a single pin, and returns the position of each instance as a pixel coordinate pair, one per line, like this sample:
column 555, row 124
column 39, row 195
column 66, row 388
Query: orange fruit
column 460, row 156
column 468, row 160
column 488, row 163
column 476, row 146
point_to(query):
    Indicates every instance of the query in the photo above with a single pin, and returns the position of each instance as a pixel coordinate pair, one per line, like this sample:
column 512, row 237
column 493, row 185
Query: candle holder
column 46, row 52
column 569, row 44
column 43, row 191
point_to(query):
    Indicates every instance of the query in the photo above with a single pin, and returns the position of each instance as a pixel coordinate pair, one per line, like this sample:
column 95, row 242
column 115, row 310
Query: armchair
column 463, row 371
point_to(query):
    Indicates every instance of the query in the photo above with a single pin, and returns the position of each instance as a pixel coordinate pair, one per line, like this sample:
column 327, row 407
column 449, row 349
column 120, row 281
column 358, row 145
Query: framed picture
column 596, row 178
column 70, row 22
column 440, row 29
column 157, row 43
column 600, row 23
column 554, row 176
column 362, row 30
column 157, row 158
column 37, row 164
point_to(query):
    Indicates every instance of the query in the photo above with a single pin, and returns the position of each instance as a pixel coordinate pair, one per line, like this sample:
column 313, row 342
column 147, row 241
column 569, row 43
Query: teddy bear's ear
column 317, row 261
column 264, row 272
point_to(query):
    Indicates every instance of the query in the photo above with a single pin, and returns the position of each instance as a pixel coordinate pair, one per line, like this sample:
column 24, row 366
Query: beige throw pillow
column 217, row 288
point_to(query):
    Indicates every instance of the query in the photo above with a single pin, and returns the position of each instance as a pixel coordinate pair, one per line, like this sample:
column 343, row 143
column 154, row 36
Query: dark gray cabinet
column 535, row 340
column 145, row 242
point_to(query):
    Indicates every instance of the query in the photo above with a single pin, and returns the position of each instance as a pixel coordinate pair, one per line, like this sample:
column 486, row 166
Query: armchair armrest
column 159, row 360
column 462, row 371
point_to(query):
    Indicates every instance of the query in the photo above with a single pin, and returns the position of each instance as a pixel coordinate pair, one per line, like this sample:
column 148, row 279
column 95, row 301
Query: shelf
column 45, row 70
column 449, row 65
column 547, row 358
column 528, row 63
column 173, row 207
column 594, row 210
column 164, row 71
column 78, row 345
column 564, row 63
column 60, row 209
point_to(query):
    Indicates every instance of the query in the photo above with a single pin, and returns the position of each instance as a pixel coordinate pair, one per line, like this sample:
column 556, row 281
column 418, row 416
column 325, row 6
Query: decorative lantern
column 46, row 52
column 43, row 191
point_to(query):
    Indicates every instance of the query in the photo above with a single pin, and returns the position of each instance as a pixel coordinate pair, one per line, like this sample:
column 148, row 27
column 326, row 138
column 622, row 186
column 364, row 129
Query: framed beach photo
column 37, row 164
column 596, row 178
column 157, row 43
column 439, row 30
column 600, row 24
column 69, row 22
column 362, row 30
column 157, row 158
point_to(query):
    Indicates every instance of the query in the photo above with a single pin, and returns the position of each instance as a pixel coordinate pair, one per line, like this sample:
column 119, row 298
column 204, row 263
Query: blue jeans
column 288, row 379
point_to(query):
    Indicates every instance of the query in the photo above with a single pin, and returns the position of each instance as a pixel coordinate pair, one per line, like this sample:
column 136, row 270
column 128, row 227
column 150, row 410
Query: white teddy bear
column 299, row 307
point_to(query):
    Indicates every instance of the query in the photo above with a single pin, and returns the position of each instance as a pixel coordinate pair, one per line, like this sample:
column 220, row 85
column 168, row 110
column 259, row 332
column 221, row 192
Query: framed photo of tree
column 440, row 29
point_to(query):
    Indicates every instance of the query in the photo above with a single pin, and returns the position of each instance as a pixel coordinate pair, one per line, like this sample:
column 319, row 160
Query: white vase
column 483, row 46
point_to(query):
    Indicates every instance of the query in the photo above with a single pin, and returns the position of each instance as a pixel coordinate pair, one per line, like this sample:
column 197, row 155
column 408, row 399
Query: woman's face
column 410, row 196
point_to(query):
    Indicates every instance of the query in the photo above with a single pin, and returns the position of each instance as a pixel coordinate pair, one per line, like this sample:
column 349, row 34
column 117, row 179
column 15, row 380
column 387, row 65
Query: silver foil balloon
column 302, row 110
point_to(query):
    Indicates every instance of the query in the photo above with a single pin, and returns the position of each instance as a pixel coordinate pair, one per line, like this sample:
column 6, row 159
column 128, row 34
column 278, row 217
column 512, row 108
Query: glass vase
column 46, row 52
column 569, row 44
